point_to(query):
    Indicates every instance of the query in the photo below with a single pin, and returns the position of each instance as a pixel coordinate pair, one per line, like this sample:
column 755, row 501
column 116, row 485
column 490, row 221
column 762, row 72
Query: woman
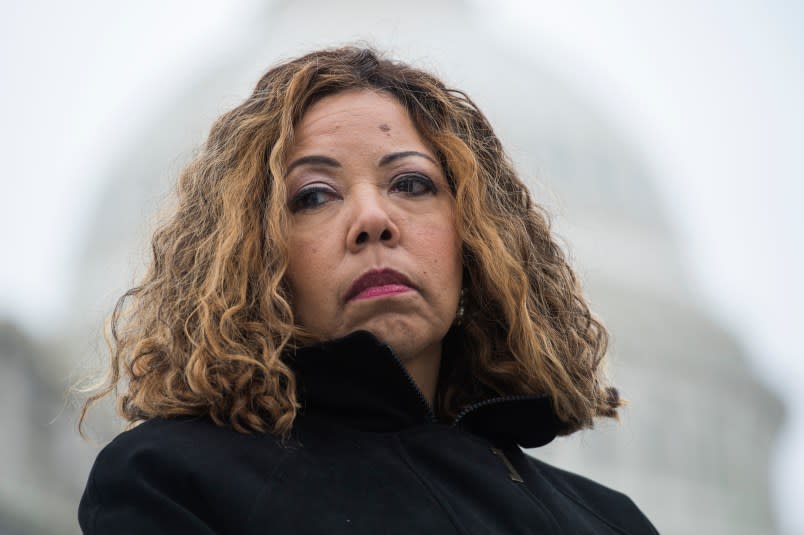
column 352, row 322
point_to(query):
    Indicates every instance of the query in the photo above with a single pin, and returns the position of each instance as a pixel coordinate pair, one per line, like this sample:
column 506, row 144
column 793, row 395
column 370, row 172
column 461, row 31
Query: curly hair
column 206, row 329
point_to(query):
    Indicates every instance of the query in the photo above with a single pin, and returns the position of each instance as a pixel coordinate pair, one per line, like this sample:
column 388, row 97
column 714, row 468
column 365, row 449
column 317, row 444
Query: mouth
column 378, row 283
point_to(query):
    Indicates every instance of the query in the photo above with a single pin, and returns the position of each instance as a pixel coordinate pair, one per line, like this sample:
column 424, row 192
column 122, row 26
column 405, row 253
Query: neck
column 358, row 381
column 423, row 369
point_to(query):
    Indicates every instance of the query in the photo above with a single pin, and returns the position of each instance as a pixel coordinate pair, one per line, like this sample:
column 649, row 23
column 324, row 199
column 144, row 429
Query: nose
column 371, row 223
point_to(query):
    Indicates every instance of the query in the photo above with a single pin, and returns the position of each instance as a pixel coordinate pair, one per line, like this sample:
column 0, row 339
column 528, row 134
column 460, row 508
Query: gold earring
column 461, row 307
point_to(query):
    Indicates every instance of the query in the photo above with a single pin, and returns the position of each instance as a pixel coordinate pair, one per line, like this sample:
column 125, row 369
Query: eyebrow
column 394, row 156
column 313, row 159
column 317, row 159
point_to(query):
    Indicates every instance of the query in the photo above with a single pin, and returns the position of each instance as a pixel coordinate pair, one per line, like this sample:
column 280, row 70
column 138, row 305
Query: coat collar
column 360, row 381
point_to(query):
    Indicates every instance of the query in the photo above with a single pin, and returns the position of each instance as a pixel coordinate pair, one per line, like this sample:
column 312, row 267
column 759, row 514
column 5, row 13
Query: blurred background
column 665, row 137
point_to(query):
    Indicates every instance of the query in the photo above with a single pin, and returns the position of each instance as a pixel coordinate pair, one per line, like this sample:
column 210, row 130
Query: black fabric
column 366, row 456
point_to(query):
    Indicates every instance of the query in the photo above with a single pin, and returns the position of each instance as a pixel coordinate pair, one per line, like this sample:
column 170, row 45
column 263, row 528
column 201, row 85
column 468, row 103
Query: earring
column 461, row 308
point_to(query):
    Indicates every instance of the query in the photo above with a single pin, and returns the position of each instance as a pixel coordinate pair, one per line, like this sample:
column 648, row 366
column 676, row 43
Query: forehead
column 356, row 116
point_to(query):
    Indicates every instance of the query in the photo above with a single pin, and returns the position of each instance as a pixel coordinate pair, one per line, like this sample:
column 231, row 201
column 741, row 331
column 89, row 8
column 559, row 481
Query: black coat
column 367, row 456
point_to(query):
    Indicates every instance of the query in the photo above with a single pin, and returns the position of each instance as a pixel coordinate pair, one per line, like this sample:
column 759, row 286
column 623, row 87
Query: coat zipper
column 512, row 473
column 492, row 401
column 426, row 404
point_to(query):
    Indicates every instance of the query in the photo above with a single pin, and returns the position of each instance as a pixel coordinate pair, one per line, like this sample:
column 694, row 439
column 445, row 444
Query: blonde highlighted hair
column 205, row 331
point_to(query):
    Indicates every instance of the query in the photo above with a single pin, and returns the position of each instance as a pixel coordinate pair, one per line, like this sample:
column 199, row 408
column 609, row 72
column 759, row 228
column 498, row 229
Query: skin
column 366, row 192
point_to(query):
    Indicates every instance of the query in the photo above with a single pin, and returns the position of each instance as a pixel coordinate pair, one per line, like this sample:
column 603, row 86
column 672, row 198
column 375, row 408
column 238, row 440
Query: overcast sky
column 710, row 92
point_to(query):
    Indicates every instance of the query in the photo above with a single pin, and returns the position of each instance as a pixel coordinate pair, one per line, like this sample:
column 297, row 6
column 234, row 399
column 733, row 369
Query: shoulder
column 160, row 447
column 165, row 474
column 611, row 506
column 187, row 437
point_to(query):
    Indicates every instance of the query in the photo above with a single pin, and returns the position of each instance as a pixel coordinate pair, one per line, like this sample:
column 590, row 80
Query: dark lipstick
column 376, row 283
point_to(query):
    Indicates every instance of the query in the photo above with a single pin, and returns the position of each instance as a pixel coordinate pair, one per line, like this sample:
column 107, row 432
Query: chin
column 406, row 338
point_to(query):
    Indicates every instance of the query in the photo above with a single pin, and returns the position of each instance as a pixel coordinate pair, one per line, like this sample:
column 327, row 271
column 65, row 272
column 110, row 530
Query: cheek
column 441, row 252
column 304, row 272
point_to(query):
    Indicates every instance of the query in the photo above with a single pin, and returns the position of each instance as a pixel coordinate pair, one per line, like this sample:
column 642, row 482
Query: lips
column 375, row 283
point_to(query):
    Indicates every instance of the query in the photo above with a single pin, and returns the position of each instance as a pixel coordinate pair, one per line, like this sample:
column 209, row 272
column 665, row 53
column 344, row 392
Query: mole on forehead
column 385, row 128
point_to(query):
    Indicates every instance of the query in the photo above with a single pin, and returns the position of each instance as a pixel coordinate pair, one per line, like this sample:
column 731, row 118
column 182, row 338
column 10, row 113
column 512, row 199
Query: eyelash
column 306, row 194
column 407, row 179
column 411, row 178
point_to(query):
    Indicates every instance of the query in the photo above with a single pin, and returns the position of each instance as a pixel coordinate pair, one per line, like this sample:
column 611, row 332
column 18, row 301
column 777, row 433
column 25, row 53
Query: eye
column 413, row 184
column 311, row 197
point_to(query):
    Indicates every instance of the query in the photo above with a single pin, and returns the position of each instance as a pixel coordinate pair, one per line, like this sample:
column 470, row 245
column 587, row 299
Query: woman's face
column 372, row 241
